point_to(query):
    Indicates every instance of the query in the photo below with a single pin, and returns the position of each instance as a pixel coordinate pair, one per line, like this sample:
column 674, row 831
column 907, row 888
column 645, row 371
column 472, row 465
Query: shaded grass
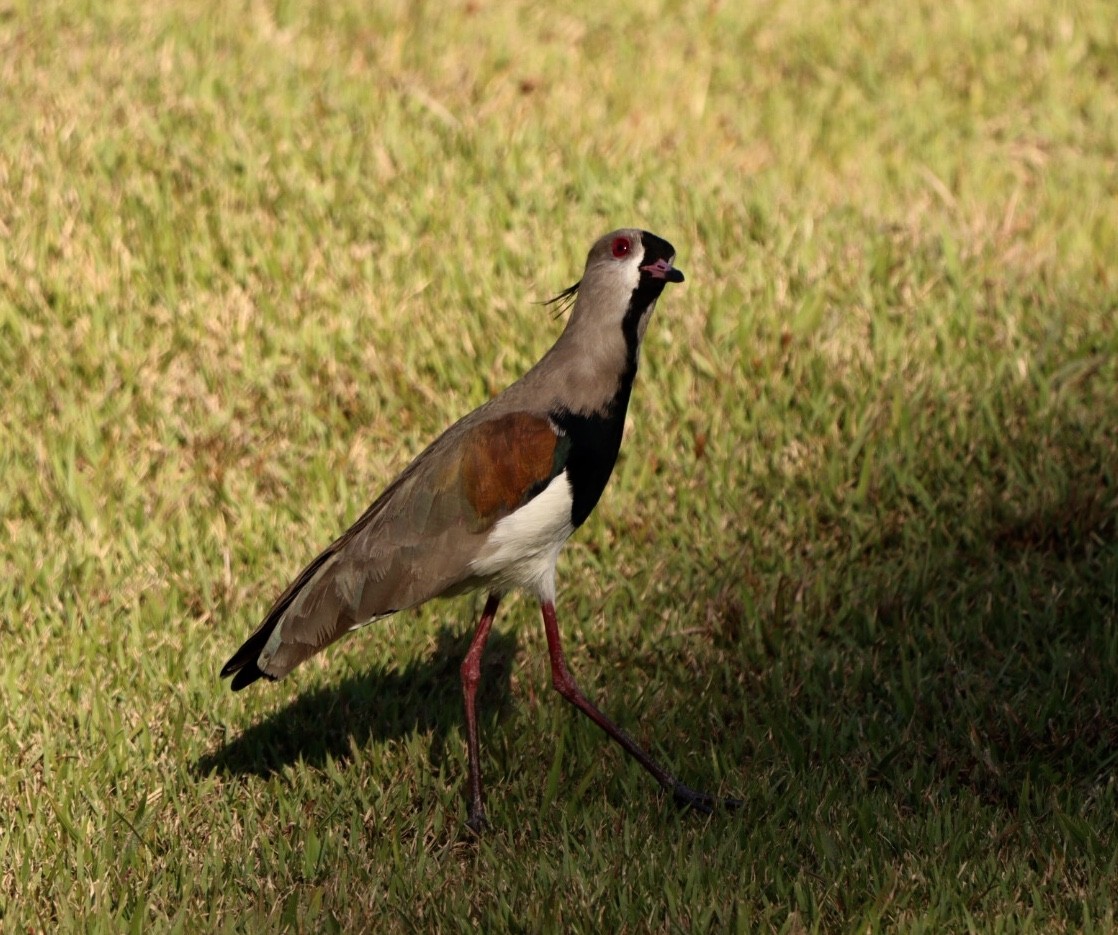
column 857, row 563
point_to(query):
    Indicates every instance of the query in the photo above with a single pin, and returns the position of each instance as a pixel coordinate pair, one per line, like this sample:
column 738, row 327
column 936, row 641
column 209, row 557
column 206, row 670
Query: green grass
column 858, row 564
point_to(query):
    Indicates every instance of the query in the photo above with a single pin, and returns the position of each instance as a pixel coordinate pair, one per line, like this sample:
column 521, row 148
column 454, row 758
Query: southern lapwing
column 490, row 503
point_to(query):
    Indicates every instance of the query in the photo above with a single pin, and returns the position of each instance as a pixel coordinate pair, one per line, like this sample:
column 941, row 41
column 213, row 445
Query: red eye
column 621, row 246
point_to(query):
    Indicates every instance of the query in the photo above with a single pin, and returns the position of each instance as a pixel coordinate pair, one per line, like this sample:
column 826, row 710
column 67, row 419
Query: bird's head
column 626, row 270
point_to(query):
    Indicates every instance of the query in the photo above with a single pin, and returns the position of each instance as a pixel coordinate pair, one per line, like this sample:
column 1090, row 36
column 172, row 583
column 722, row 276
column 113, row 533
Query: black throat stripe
column 595, row 440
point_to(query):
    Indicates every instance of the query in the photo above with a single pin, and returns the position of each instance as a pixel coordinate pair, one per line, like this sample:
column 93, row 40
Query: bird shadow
column 383, row 703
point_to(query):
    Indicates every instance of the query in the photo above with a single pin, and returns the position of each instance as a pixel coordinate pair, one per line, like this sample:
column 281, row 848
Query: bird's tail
column 242, row 665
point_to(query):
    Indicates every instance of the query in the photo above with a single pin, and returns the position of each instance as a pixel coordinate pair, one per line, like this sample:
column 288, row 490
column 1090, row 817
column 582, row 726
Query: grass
column 857, row 564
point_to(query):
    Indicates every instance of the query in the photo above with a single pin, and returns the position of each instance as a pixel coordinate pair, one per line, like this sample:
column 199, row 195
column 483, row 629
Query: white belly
column 522, row 548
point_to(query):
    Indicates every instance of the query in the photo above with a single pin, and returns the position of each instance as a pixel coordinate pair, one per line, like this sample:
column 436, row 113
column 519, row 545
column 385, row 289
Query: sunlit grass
column 857, row 564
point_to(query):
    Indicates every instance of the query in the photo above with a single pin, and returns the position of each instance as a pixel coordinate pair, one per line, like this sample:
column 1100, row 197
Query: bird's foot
column 476, row 820
column 701, row 801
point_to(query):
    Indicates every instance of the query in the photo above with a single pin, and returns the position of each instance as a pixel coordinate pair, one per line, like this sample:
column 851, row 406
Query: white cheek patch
column 631, row 270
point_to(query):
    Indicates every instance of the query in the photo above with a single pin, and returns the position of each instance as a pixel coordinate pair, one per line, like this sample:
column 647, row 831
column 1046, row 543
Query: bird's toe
column 688, row 798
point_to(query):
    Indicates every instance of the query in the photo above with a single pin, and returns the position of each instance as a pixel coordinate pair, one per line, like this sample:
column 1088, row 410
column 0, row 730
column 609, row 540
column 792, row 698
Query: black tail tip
column 244, row 675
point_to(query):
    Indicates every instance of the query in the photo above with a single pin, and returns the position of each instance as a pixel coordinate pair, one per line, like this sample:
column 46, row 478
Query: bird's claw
column 701, row 801
column 476, row 820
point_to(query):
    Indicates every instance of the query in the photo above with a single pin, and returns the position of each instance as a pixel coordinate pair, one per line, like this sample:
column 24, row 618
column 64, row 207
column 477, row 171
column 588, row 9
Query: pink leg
column 471, row 676
column 565, row 684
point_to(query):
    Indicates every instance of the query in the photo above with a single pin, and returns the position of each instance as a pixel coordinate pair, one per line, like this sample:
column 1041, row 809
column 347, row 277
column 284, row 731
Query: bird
column 491, row 502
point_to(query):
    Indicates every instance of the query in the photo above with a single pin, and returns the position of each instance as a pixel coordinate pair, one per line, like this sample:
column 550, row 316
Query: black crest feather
column 565, row 299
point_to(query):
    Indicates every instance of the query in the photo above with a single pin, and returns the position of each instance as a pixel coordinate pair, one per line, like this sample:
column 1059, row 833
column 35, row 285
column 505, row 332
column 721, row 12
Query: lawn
column 858, row 563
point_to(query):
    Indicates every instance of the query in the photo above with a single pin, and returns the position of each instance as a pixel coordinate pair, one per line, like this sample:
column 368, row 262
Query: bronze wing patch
column 507, row 461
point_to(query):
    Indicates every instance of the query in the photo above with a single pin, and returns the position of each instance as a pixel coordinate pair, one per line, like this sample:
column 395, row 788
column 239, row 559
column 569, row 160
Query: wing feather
column 415, row 542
